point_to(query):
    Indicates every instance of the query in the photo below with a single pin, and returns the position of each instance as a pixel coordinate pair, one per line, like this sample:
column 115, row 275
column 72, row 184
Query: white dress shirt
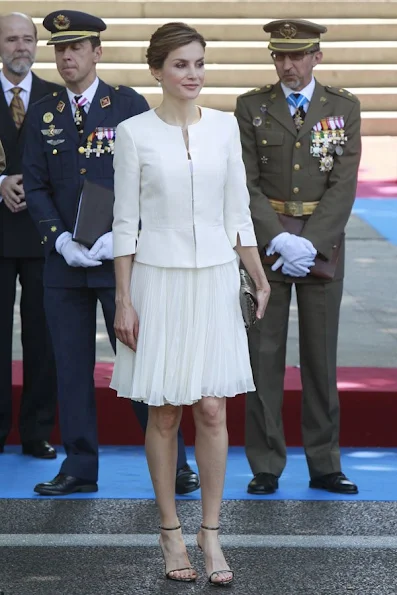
column 26, row 86
column 88, row 95
column 307, row 92
column 191, row 213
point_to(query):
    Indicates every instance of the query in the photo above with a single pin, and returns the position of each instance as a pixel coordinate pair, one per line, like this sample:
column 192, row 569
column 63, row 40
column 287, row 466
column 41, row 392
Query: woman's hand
column 262, row 295
column 126, row 325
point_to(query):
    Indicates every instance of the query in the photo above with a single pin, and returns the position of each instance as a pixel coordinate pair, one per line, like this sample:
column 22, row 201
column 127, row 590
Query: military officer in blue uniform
column 70, row 138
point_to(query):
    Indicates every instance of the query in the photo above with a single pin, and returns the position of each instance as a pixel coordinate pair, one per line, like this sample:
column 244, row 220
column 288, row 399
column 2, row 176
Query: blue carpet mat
column 381, row 214
column 124, row 474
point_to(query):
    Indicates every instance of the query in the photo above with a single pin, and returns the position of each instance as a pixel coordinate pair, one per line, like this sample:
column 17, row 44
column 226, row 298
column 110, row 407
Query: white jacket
column 190, row 216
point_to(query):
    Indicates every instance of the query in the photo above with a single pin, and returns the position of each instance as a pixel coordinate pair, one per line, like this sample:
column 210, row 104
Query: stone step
column 247, row 52
column 198, row 9
column 247, row 29
column 241, row 75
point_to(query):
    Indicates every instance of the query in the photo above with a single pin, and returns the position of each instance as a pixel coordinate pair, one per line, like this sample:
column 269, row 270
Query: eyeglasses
column 294, row 57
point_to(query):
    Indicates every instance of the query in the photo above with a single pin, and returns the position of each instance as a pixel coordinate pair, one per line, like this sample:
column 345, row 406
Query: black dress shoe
column 263, row 483
column 186, row 480
column 334, row 482
column 40, row 449
column 62, row 485
column 1, row 452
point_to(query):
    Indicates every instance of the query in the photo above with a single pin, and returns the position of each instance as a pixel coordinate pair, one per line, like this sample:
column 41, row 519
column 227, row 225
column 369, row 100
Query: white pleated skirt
column 192, row 341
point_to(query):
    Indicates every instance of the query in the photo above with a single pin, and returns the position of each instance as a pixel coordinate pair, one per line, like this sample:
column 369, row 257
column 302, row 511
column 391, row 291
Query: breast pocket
column 103, row 165
column 61, row 160
column 270, row 149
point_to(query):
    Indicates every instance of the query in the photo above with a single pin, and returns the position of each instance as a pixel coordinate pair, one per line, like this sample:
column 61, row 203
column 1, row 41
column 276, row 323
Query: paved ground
column 110, row 548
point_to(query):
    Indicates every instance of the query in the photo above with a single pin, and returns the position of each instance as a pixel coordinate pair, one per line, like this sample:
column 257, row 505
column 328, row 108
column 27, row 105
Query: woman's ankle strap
column 209, row 528
column 169, row 528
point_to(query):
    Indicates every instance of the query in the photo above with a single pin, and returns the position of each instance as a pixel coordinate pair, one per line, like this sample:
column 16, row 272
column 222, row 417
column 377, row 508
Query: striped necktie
column 17, row 107
column 80, row 114
column 298, row 102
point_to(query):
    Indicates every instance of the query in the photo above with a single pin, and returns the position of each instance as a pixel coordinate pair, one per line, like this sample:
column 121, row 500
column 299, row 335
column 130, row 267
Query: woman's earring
column 159, row 82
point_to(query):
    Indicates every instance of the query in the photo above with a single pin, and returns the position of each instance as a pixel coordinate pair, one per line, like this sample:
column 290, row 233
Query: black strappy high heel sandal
column 168, row 574
column 224, row 583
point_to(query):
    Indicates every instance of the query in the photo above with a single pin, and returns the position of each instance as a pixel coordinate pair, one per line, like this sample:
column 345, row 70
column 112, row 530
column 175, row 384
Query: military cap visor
column 68, row 26
column 293, row 35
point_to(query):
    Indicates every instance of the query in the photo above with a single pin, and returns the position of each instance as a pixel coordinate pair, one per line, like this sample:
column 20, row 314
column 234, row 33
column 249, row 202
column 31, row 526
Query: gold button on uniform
column 81, row 150
column 83, row 170
column 264, row 142
column 55, row 151
column 297, row 167
column 295, row 190
column 298, row 145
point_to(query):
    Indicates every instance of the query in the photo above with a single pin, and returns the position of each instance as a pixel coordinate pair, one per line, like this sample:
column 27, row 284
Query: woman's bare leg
column 211, row 453
column 161, row 452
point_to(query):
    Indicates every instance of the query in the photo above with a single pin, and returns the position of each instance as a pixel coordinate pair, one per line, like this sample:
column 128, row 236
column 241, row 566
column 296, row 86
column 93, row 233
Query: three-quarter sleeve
column 126, row 188
column 237, row 215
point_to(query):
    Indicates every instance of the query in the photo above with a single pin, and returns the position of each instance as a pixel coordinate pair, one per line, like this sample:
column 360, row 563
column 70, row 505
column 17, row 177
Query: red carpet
column 368, row 410
column 377, row 189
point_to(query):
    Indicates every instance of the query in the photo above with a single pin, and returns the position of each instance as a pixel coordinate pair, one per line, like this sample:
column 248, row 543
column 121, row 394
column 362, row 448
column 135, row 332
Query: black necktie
column 80, row 115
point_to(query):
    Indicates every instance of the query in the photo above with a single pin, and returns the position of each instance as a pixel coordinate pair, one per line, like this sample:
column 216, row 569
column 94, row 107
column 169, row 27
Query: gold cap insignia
column 288, row 31
column 61, row 22
column 105, row 101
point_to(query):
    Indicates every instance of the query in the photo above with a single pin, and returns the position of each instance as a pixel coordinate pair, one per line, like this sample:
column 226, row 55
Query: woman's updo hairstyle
column 168, row 38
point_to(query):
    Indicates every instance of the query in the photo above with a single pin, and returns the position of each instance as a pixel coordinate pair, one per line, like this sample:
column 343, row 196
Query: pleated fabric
column 192, row 341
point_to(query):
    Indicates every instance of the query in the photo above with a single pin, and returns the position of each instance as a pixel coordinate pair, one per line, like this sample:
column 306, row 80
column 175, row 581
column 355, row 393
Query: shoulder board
column 258, row 90
column 50, row 97
column 123, row 90
column 341, row 93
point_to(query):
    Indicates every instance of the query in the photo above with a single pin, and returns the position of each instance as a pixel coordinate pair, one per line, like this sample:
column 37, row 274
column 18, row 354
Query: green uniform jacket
column 279, row 165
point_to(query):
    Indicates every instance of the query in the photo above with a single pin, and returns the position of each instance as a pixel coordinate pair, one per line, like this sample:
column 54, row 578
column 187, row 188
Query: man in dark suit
column 21, row 252
column 71, row 138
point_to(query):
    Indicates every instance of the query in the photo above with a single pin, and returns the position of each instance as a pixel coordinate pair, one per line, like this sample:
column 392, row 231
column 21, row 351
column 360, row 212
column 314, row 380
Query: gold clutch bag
column 248, row 299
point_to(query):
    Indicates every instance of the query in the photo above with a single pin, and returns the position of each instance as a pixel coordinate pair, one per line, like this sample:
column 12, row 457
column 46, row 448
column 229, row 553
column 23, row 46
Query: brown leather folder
column 323, row 268
column 94, row 215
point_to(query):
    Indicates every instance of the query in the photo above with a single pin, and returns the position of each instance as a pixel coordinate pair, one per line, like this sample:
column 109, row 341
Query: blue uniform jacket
column 56, row 161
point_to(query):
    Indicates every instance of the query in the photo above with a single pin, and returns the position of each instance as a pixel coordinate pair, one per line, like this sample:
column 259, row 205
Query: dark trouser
column 318, row 308
column 71, row 314
column 39, row 393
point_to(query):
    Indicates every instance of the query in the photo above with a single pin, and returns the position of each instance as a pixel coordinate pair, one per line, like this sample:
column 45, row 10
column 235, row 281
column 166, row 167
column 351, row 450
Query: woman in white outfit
column 181, row 336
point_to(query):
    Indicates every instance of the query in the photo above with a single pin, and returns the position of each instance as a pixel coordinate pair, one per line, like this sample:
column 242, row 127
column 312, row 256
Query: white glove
column 103, row 248
column 295, row 269
column 277, row 243
column 297, row 249
column 74, row 253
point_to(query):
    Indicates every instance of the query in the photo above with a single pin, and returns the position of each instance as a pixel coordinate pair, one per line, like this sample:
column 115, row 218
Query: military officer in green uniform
column 301, row 147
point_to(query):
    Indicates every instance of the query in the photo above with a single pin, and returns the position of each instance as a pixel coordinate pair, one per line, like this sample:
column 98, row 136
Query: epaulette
column 49, row 97
column 258, row 90
column 124, row 90
column 341, row 93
